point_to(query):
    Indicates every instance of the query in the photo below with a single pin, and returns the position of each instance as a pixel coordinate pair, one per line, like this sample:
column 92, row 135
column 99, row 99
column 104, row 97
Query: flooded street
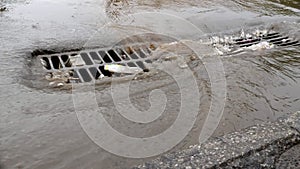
column 39, row 126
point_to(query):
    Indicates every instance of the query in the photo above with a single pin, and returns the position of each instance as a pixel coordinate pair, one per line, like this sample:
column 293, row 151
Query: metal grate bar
column 85, row 75
column 134, row 55
column 78, row 75
column 51, row 64
column 101, row 55
column 61, row 62
column 109, row 57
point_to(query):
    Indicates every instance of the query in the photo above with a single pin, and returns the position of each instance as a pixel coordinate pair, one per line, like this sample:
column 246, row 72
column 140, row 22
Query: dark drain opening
column 66, row 60
column 86, row 59
column 85, row 75
column 103, row 72
column 55, row 62
column 45, row 62
column 114, row 55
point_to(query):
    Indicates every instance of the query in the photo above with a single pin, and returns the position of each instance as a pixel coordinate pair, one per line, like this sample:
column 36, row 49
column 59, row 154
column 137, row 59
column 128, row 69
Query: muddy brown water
column 39, row 127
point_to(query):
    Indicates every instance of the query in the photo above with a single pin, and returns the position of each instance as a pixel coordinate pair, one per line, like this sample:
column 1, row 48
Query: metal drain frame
column 95, row 59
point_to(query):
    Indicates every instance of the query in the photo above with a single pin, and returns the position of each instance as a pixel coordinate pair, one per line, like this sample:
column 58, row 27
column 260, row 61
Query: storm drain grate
column 257, row 40
column 274, row 38
column 90, row 65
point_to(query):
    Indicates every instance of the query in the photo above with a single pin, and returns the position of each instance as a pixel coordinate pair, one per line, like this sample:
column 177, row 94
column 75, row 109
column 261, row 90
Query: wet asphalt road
column 38, row 125
column 268, row 145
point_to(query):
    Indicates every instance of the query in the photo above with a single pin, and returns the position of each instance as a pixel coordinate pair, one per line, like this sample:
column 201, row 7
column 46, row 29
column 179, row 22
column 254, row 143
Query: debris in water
column 52, row 84
column 248, row 36
column 101, row 76
column 260, row 33
column 261, row 46
column 183, row 65
column 60, row 84
column 60, row 78
column 56, row 84
column 152, row 47
column 169, row 58
column 242, row 33
column 2, row 9
column 122, row 69
column 77, row 61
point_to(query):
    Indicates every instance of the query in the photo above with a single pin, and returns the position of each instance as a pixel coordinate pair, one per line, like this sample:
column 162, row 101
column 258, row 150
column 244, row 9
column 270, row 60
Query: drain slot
column 85, row 75
column 86, row 58
column 56, row 64
column 66, row 61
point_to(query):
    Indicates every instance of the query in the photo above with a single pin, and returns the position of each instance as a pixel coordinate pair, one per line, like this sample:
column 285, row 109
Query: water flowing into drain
column 90, row 65
column 256, row 40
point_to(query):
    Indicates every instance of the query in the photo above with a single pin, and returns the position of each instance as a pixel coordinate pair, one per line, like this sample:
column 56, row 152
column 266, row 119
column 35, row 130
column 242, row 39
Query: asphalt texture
column 269, row 145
